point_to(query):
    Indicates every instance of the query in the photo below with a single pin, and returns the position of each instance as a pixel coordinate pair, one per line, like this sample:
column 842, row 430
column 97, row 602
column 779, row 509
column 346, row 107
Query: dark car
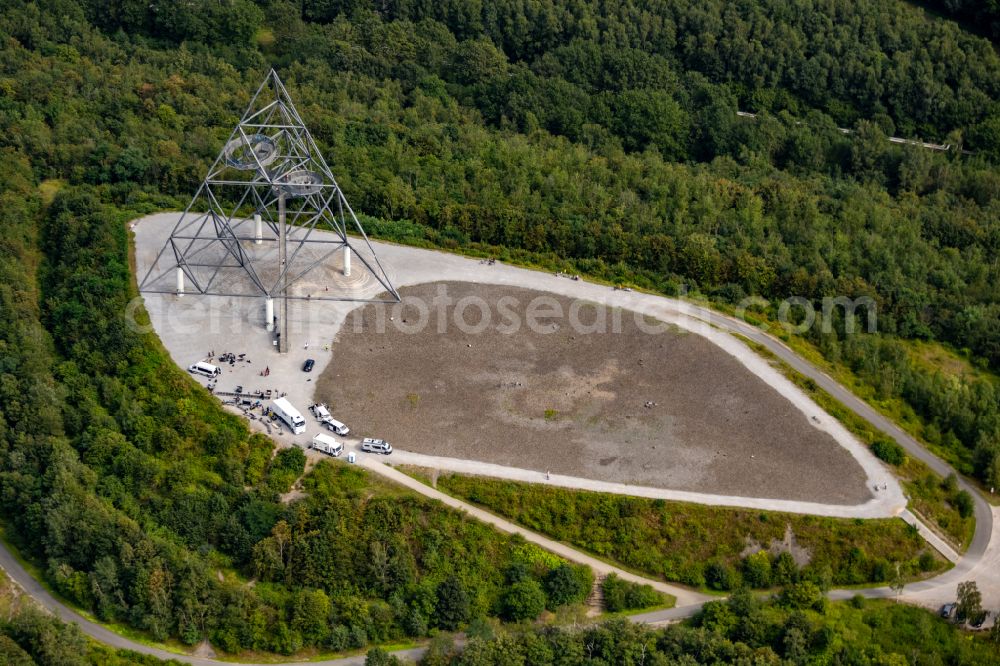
column 308, row 365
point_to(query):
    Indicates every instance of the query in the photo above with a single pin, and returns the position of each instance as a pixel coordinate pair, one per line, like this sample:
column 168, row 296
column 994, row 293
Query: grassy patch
column 702, row 545
column 48, row 189
column 938, row 502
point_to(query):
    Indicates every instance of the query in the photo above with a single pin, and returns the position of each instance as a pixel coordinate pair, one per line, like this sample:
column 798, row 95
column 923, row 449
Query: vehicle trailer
column 288, row 415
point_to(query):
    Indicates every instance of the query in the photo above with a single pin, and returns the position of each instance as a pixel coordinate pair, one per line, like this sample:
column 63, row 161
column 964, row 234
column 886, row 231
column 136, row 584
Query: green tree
column 802, row 595
column 784, row 571
column 970, row 603
column 524, row 600
column 310, row 615
column 452, row 608
column 565, row 585
column 757, row 569
column 379, row 657
column 964, row 503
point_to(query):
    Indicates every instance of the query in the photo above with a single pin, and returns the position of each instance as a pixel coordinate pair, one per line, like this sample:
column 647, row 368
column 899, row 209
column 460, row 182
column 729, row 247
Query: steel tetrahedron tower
column 255, row 227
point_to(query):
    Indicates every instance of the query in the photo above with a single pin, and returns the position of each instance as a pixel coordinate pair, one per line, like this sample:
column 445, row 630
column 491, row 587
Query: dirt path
column 683, row 595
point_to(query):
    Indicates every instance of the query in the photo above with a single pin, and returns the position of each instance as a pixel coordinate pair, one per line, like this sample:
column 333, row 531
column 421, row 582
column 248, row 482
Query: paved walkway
column 931, row 537
column 883, row 505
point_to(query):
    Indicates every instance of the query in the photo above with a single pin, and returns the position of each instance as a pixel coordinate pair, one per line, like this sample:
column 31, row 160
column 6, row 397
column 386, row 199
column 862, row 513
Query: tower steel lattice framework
column 269, row 184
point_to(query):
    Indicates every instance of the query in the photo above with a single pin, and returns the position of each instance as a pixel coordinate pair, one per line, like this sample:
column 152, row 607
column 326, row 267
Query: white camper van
column 326, row 444
column 372, row 445
column 204, row 369
column 289, row 415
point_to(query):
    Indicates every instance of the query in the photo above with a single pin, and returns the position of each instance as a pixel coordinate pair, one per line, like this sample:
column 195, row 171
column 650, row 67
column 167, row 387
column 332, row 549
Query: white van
column 320, row 411
column 204, row 369
column 326, row 444
column 333, row 424
column 289, row 415
column 372, row 445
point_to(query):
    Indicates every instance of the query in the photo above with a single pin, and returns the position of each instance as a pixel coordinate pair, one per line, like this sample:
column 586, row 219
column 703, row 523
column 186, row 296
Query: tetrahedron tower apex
column 268, row 213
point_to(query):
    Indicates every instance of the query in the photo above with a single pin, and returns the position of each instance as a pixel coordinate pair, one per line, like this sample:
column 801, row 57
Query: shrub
column 927, row 561
column 525, row 600
column 565, row 585
column 802, row 595
column 964, row 504
column 622, row 595
column 889, row 452
column 720, row 576
column 379, row 657
column 757, row 569
column 291, row 459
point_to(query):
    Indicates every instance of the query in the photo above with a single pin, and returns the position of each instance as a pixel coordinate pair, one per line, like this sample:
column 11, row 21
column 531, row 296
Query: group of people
column 228, row 357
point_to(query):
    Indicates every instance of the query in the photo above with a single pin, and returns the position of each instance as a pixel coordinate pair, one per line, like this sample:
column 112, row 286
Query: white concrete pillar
column 258, row 229
column 180, row 281
column 269, row 313
column 347, row 261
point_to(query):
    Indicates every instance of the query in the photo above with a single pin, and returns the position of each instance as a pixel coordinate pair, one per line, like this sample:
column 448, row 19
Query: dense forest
column 600, row 137
column 796, row 627
column 983, row 17
column 30, row 636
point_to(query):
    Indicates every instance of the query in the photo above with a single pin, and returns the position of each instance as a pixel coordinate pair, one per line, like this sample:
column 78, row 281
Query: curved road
column 983, row 510
column 690, row 602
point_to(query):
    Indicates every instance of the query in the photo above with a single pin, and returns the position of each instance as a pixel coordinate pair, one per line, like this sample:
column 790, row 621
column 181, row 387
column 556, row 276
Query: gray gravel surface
column 662, row 409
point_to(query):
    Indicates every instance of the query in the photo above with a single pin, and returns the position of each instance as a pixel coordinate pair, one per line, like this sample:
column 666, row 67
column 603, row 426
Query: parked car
column 308, row 365
column 372, row 445
column 978, row 622
column 948, row 610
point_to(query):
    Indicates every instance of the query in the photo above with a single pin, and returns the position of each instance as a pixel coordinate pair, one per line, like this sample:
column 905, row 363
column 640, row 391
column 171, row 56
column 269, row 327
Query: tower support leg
column 283, row 268
column 180, row 281
column 347, row 261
